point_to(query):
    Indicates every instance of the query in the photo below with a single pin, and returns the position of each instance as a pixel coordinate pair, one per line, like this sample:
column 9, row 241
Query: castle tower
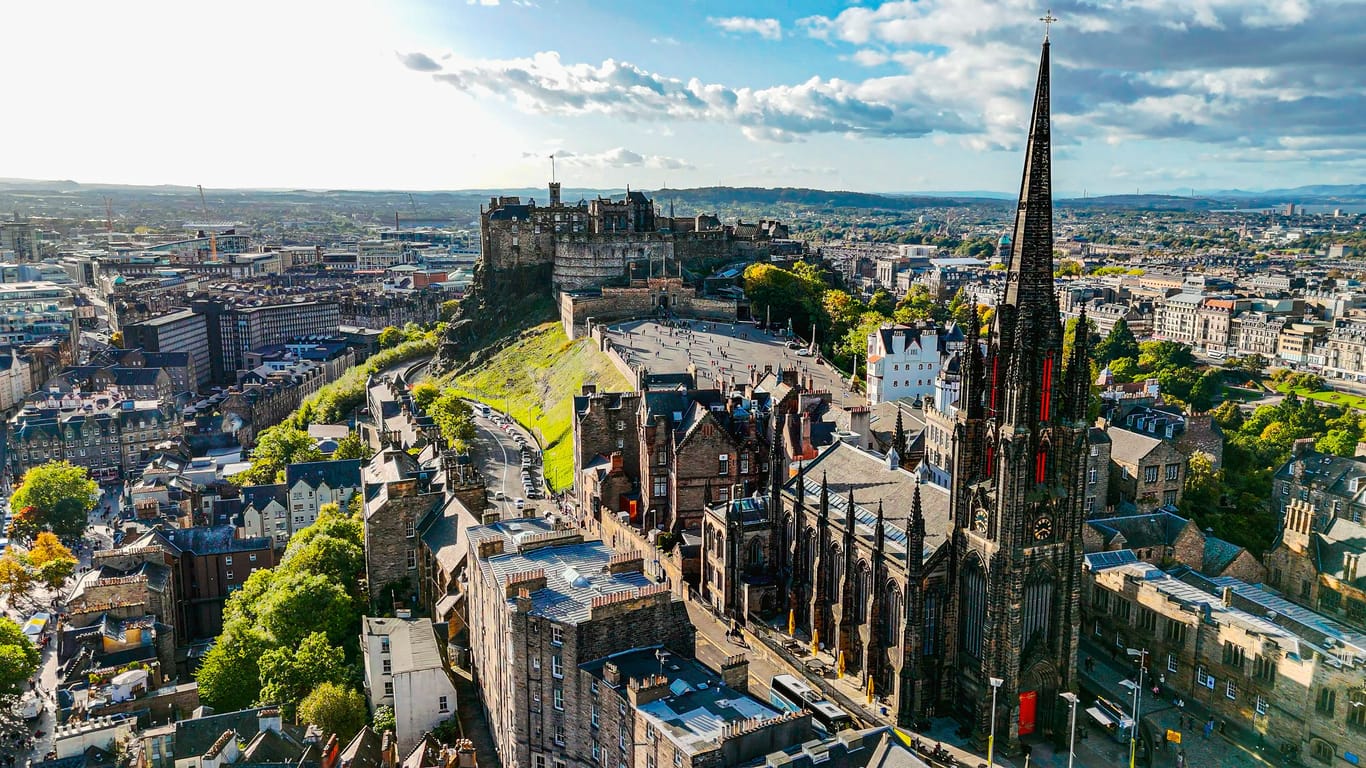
column 1017, row 495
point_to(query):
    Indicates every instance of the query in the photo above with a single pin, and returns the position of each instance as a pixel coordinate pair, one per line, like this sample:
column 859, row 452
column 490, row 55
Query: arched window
column 755, row 557
column 891, row 616
column 1038, row 608
column 836, row 571
column 930, row 640
column 974, row 598
column 863, row 590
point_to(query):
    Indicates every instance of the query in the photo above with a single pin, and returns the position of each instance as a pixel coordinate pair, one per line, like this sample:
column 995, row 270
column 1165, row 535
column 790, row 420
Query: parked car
column 519, row 502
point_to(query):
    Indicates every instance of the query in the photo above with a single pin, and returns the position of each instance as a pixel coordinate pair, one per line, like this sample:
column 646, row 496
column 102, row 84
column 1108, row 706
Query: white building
column 903, row 361
column 315, row 483
column 403, row 669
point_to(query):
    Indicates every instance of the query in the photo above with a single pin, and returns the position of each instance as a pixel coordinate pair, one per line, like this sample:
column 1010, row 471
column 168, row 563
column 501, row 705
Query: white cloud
column 617, row 157
column 768, row 29
column 481, row 2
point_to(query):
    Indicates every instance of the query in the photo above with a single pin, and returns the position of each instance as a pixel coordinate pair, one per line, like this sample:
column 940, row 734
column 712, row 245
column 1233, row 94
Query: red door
column 1028, row 700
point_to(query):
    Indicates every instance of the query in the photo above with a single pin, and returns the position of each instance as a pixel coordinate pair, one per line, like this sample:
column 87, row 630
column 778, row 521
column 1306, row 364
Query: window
column 1231, row 690
column 557, row 635
column 1261, row 705
column 1356, row 713
column 1091, row 476
column 678, row 758
column 593, row 720
column 227, row 560
column 1147, row 620
column 1150, row 474
column 410, row 529
column 597, row 751
column 1326, row 702
column 1122, row 609
column 1203, row 677
column 621, row 443
column 385, row 667
column 1234, row 655
column 621, row 425
column 661, row 457
column 1175, row 632
column 252, row 557
column 1329, row 600
column 723, row 494
column 559, row 698
column 556, row 666
column 229, row 574
column 723, row 464
column 1172, row 664
column 559, row 735
column 1090, row 503
column 384, row 645
column 1321, row 750
column 412, row 558
column 744, row 463
column 536, row 663
column 443, row 705
column 1264, row 668
column 388, row 687
column 1173, row 471
column 540, row 761
column 661, row 486
column 593, row 687
column 1169, row 498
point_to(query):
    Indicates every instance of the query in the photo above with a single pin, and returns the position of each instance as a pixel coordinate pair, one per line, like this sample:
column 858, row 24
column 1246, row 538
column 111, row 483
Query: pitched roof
column 1130, row 446
column 365, row 750
column 338, row 473
column 1157, row 529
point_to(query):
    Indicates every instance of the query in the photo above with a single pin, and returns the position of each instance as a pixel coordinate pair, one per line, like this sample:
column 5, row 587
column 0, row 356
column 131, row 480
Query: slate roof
column 194, row 737
column 1130, row 447
column 845, row 467
column 426, row 754
column 1339, row 537
column 365, row 750
column 201, row 540
column 258, row 497
column 338, row 473
column 1158, row 529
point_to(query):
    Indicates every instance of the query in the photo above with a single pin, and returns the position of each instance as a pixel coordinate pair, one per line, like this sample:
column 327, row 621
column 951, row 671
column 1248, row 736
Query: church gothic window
column 891, row 616
column 974, row 598
column 1038, row 607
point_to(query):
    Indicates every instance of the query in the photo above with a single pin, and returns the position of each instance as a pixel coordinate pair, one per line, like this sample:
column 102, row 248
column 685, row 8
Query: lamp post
column 1071, row 699
column 1142, row 655
column 991, row 737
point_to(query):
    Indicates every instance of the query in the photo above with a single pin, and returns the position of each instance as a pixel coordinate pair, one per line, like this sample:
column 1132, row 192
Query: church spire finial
column 1048, row 20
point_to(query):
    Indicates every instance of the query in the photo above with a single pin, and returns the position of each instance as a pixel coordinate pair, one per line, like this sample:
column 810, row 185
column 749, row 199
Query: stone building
column 102, row 431
column 398, row 491
column 1145, row 472
column 649, row 297
column 984, row 583
column 1317, row 563
column 1333, row 486
column 1294, row 677
column 543, row 602
column 1258, row 333
column 1166, row 540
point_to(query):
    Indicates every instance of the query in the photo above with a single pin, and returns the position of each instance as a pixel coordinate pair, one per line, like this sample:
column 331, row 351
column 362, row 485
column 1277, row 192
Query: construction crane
column 213, row 238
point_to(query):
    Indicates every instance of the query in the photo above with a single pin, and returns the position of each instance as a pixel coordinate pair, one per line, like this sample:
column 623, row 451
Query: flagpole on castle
column 552, row 168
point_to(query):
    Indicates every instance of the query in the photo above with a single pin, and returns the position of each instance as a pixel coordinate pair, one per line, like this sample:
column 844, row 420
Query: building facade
column 404, row 670
column 903, row 361
column 183, row 330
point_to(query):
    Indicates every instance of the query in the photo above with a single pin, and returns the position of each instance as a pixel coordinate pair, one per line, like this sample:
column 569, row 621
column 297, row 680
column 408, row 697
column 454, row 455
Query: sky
column 911, row 95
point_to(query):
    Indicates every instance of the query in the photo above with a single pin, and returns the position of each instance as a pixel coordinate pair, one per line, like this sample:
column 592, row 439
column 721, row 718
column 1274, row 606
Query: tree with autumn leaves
column 47, row 562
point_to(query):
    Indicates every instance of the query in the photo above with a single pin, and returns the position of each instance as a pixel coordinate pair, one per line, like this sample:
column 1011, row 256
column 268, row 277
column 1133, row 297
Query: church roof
column 846, row 467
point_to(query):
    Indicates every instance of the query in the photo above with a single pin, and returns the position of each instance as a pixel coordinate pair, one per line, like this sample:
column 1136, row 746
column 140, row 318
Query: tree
column 54, row 573
column 1118, row 343
column 383, row 720
column 1339, row 442
column 424, row 393
column 455, row 419
column 1068, row 268
column 334, row 709
column 786, row 295
column 352, row 447
column 1203, row 487
column 391, row 337
column 340, row 560
column 449, row 310
column 1161, row 355
column 46, row 548
column 16, row 581
column 230, row 677
column 1125, row 370
column 61, row 495
column 18, row 658
column 917, row 304
column 276, row 448
column 300, row 604
column 288, row 673
column 1228, row 415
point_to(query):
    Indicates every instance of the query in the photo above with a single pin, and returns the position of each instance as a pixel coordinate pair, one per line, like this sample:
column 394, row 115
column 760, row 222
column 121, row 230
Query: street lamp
column 1071, row 699
column 1142, row 655
column 991, row 739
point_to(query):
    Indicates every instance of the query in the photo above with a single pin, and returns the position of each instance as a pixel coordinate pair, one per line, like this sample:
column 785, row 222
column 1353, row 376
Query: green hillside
column 536, row 378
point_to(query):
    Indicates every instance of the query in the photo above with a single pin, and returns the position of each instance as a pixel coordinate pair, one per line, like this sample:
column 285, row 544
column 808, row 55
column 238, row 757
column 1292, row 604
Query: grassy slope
column 539, row 375
column 1329, row 396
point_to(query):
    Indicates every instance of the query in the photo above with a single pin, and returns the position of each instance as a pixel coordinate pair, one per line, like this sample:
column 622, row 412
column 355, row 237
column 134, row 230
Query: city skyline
column 880, row 97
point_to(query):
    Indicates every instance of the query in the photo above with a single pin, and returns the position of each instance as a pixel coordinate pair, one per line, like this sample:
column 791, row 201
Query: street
column 500, row 459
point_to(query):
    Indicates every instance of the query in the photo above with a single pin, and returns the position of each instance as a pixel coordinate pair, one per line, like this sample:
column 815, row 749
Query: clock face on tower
column 979, row 520
column 1043, row 527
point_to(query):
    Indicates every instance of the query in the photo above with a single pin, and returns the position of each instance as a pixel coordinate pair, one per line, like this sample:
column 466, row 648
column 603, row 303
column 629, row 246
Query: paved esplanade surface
column 720, row 350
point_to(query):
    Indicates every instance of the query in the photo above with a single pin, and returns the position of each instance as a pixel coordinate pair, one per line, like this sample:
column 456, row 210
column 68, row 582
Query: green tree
column 917, row 304
column 301, row 603
column 960, row 308
column 391, row 337
column 449, row 310
column 61, row 495
column 1125, row 370
column 424, row 392
column 455, row 419
column 1119, row 342
column 1228, row 415
column 334, row 709
column 276, row 448
column 1203, row 486
column 843, row 310
column 787, row 295
column 230, row 676
column 882, row 303
column 288, row 673
column 1160, row 355
column 855, row 340
column 18, row 658
column 340, row 560
column 1068, row 268
column 383, row 720
column 1339, row 442
column 352, row 447
column 54, row 573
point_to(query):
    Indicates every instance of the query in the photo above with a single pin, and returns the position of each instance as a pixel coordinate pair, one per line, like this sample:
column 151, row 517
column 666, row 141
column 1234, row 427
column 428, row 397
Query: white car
column 519, row 502
column 500, row 496
column 803, row 353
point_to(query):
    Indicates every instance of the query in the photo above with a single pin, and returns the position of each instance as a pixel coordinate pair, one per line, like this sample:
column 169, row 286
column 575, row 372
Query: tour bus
column 792, row 695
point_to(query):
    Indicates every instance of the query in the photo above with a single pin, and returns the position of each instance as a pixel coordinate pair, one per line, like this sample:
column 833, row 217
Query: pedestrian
column 1181, row 759
column 1209, row 727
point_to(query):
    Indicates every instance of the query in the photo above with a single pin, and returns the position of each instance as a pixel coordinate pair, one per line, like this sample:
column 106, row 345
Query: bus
column 789, row 694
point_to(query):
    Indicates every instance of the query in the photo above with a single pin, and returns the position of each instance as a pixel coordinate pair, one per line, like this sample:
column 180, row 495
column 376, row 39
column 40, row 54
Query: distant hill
column 713, row 197
column 1144, row 203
